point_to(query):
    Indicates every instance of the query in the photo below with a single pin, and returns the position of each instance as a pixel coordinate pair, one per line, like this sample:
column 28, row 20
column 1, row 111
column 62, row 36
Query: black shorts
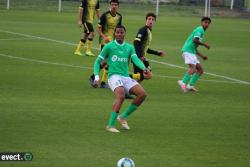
column 88, row 27
column 138, row 70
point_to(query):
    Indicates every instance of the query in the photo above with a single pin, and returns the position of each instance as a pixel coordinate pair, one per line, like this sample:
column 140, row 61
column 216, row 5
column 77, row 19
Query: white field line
column 13, row 39
column 154, row 61
column 91, row 68
column 37, row 37
column 212, row 74
column 44, row 62
column 206, row 80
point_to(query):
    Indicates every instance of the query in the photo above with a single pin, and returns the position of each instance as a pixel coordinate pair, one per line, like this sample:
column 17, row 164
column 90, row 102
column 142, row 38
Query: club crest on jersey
column 119, row 59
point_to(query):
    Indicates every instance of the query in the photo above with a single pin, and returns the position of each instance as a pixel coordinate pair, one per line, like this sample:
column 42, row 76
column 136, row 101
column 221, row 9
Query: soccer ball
column 125, row 162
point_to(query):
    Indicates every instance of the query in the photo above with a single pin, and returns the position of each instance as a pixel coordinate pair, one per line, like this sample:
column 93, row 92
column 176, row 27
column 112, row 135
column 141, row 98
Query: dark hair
column 114, row 1
column 150, row 14
column 206, row 18
column 120, row 26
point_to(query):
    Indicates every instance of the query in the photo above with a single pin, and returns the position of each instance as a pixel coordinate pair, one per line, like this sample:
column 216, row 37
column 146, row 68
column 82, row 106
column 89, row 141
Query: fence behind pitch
column 170, row 7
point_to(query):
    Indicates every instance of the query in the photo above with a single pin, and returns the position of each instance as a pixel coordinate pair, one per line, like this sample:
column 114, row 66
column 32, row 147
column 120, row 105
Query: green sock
column 112, row 119
column 186, row 78
column 194, row 79
column 131, row 108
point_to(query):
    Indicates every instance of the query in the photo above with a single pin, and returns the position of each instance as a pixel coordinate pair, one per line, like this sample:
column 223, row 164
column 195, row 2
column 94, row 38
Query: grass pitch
column 47, row 106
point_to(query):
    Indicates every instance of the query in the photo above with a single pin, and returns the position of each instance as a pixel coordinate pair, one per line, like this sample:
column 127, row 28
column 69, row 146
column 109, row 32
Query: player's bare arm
column 197, row 41
column 201, row 55
column 101, row 34
column 80, row 17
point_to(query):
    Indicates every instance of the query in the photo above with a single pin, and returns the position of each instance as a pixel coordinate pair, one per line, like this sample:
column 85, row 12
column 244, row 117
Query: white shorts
column 190, row 58
column 118, row 80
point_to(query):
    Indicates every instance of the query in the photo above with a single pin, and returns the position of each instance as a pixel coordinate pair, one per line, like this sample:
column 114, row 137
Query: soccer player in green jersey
column 87, row 11
column 190, row 53
column 105, row 28
column 118, row 54
column 141, row 43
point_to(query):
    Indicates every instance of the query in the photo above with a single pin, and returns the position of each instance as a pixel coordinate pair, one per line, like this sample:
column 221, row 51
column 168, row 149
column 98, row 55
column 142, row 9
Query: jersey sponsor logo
column 119, row 59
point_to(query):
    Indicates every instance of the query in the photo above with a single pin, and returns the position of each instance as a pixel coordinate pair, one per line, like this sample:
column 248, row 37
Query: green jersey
column 118, row 57
column 189, row 45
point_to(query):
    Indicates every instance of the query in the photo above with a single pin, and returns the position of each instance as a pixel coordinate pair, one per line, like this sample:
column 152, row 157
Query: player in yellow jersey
column 87, row 11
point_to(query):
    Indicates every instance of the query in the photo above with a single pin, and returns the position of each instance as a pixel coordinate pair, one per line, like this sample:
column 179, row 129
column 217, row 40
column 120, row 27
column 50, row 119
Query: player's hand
column 147, row 74
column 204, row 57
column 162, row 53
column 80, row 23
column 96, row 81
column 207, row 46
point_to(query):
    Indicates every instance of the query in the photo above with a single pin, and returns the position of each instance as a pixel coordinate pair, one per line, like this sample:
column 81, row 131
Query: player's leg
column 116, row 85
column 189, row 73
column 190, row 59
column 81, row 44
column 119, row 93
column 186, row 77
column 138, row 74
column 195, row 77
column 119, row 98
column 139, row 92
column 90, row 39
column 104, row 77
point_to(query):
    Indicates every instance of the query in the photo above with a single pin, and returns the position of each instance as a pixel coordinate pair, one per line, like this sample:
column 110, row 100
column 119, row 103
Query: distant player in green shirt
column 189, row 52
column 87, row 11
column 118, row 54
